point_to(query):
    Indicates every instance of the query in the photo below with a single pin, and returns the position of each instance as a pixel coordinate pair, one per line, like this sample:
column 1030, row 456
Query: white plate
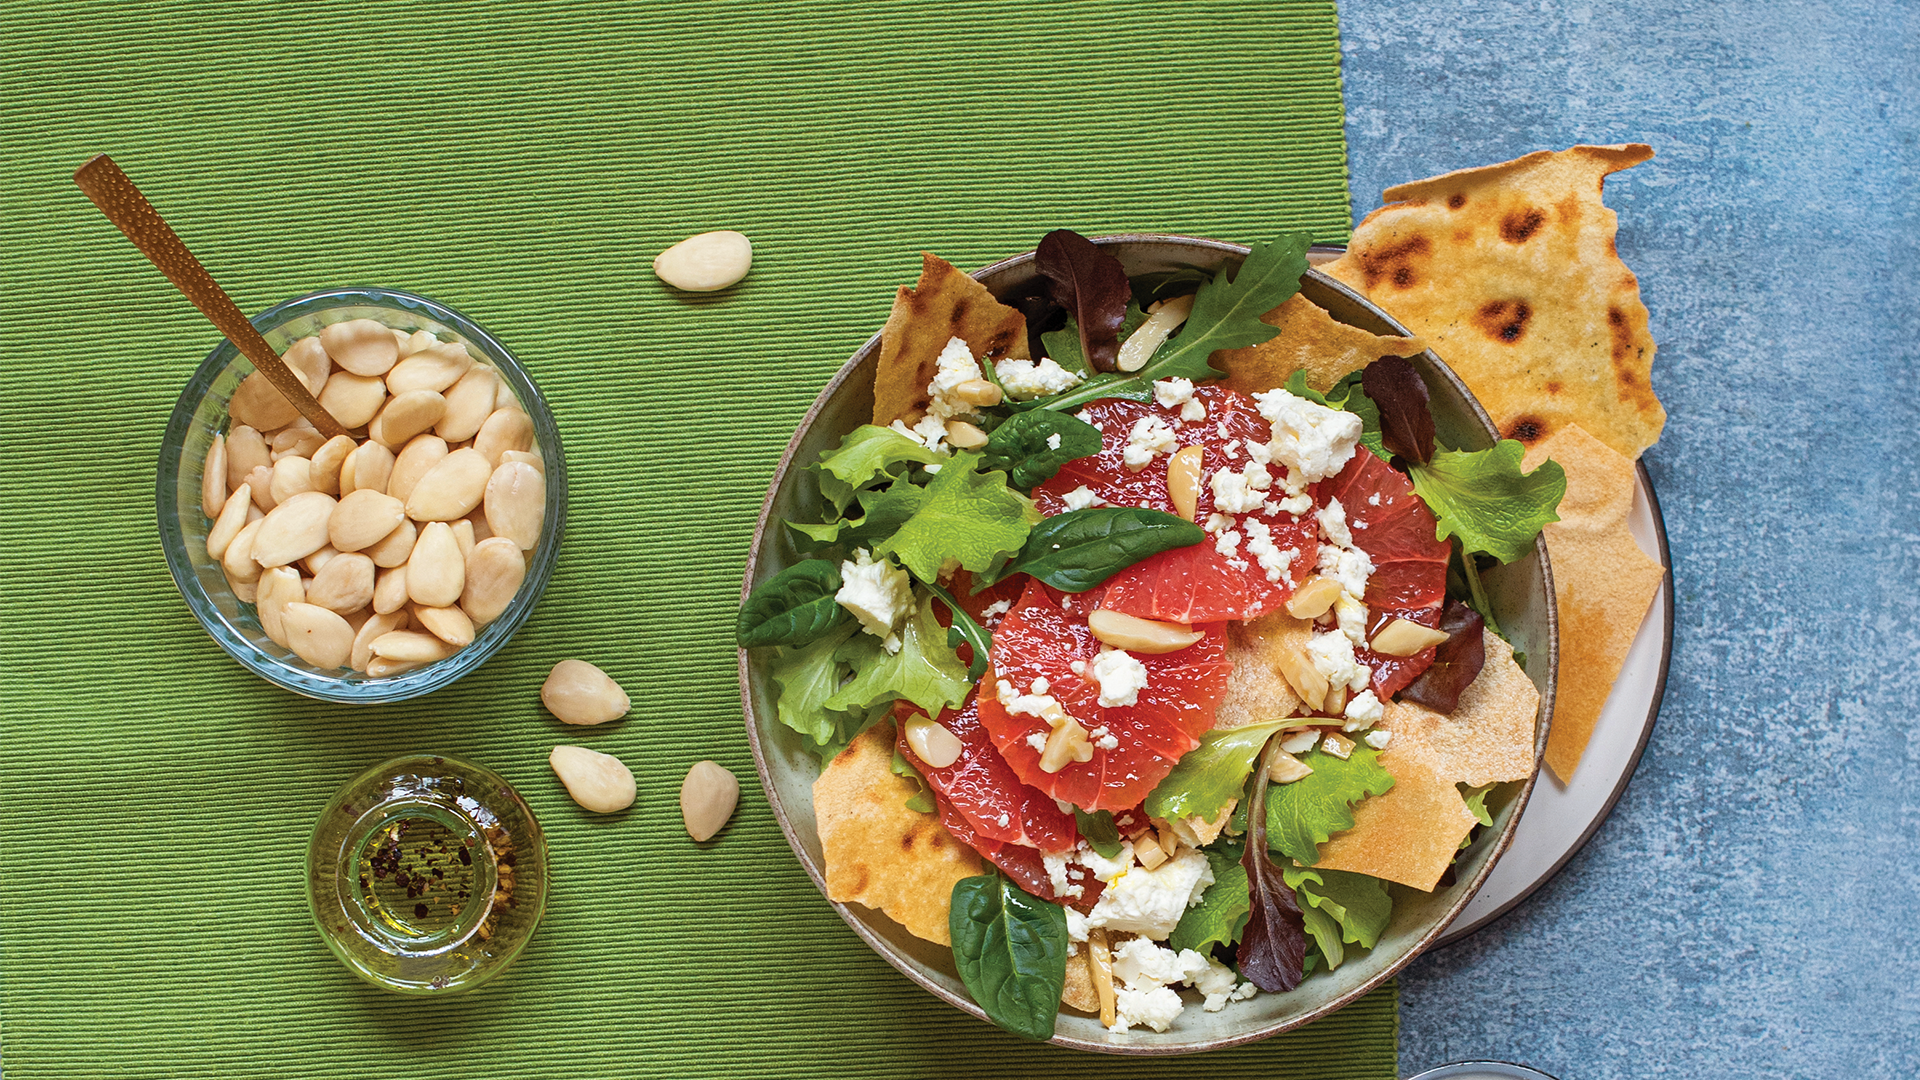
column 1560, row 818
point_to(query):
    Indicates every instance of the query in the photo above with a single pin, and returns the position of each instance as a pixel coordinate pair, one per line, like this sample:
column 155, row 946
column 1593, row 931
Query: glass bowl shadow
column 201, row 412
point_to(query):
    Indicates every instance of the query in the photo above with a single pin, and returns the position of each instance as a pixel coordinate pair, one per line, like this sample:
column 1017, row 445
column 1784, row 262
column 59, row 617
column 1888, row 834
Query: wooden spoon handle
column 118, row 198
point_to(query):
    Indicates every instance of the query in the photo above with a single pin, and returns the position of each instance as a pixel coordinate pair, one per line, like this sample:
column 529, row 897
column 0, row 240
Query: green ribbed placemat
column 524, row 167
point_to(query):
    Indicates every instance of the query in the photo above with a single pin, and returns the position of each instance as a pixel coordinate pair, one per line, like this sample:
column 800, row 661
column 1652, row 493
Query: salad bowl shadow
column 1521, row 594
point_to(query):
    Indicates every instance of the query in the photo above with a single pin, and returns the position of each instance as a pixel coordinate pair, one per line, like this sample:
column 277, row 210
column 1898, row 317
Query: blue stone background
column 1752, row 907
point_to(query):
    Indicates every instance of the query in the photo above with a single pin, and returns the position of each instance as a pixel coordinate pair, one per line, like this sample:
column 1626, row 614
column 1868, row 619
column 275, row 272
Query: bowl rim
column 856, row 921
column 491, row 638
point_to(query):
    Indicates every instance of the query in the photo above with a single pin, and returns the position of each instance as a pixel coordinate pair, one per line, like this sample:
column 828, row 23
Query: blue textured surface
column 1752, row 908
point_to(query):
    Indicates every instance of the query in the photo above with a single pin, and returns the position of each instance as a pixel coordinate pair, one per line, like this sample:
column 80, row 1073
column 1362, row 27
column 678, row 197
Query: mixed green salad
column 1043, row 575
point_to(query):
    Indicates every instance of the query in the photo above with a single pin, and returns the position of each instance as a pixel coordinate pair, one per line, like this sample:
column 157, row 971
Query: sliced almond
column 1140, row 635
column 1301, row 675
column 1183, row 480
column 1404, row 637
column 1313, row 597
column 932, row 742
column 982, row 392
column 1285, row 769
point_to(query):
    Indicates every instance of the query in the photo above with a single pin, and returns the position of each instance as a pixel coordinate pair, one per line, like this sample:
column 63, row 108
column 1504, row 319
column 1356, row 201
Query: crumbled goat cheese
column 1333, row 524
column 1025, row 379
column 1081, row 497
column 1239, row 491
column 1351, row 567
column 1295, row 504
column 1121, row 678
column 1038, row 742
column 877, row 593
column 1102, row 868
column 1057, row 864
column 1351, row 615
column 1151, row 902
column 1229, row 542
column 1036, row 703
column 1378, row 739
column 1373, row 499
column 1271, row 558
column 1362, row 710
column 1150, row 435
column 1308, row 436
column 1299, row 742
column 1218, row 522
column 1053, row 441
column 1177, row 391
column 1332, row 656
column 1157, row 1008
column 1232, row 450
column 956, row 365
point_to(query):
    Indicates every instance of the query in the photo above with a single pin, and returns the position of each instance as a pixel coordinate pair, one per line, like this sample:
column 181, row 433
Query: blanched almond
column 1140, row 635
column 347, row 486
column 525, row 457
column 469, row 403
column 964, row 436
column 291, row 476
column 708, row 797
column 318, row 636
column 381, row 668
column 298, row 437
column 504, row 429
column 238, row 562
column 395, row 548
column 1313, row 597
column 435, row 368
column 706, row 262
column 1285, row 769
column 246, row 592
column 576, row 692
column 309, row 362
column 390, row 590
column 436, row 574
column 363, row 518
column 463, row 533
column 405, row 416
column 258, row 404
column 516, row 502
column 318, row 559
column 278, row 587
column 246, row 451
column 353, row 399
column 376, row 625
column 422, row 453
column 978, row 392
column 1302, row 676
column 1404, row 637
column 372, row 466
column 213, row 477
column 294, row 529
column 412, row 645
column 932, row 742
column 1183, row 480
column 324, row 467
column 232, row 518
column 598, row 782
column 449, row 624
column 361, row 346
column 260, row 483
column 344, row 584
column 495, row 569
column 451, row 488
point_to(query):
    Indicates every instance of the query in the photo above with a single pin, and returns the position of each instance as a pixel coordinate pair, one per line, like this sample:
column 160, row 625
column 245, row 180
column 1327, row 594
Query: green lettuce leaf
column 809, row 676
column 963, row 515
column 1210, row 774
column 925, row 671
column 1360, row 905
column 1325, row 933
column 1099, row 831
column 1482, row 497
column 1477, row 806
column 1304, row 814
column 1226, row 315
column 867, row 454
column 1221, row 914
column 922, row 799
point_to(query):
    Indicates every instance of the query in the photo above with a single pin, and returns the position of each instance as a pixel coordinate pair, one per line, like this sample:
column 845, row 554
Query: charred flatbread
column 945, row 304
column 1310, row 340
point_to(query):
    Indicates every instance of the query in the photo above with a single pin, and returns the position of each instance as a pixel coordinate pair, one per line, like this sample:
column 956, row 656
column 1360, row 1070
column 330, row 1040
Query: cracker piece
column 1256, row 691
column 1510, row 275
column 1412, row 833
column 1602, row 584
column 1078, row 992
column 945, row 304
column 879, row 853
column 1309, row 340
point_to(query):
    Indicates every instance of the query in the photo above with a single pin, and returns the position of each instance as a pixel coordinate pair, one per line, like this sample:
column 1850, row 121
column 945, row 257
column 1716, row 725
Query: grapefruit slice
column 1394, row 527
column 1023, row 864
column 1135, row 746
column 985, row 790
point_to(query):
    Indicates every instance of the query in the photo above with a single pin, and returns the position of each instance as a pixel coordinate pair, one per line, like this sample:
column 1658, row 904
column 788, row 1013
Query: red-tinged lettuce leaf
column 1406, row 420
column 1273, row 947
column 1092, row 286
column 1456, row 661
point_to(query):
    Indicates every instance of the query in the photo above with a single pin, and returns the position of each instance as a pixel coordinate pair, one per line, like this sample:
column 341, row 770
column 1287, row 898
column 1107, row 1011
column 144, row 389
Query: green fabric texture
column 523, row 167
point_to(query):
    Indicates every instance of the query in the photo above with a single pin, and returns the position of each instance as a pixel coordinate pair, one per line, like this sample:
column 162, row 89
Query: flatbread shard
column 1310, row 340
column 1602, row 584
column 1509, row 273
column 879, row 853
column 945, row 304
column 1412, row 833
column 1256, row 691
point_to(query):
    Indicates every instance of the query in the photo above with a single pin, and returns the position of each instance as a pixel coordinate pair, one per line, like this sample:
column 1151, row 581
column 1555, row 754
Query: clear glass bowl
column 201, row 412
column 427, row 875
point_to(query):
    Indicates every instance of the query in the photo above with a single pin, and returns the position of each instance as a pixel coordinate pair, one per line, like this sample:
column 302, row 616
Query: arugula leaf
column 922, row 800
column 793, row 606
column 1079, row 549
column 964, row 628
column 1092, row 286
column 963, row 515
column 1273, row 946
column 925, row 671
column 1025, row 446
column 809, row 676
column 1099, row 830
column 1011, row 950
column 1221, row 914
column 1406, row 419
column 1358, row 903
column 1226, row 315
column 1305, row 813
column 1456, row 661
column 1210, row 774
column 866, row 454
column 1482, row 497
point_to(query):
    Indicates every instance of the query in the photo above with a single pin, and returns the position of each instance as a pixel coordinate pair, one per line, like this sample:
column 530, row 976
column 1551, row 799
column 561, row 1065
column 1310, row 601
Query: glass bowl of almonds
column 370, row 567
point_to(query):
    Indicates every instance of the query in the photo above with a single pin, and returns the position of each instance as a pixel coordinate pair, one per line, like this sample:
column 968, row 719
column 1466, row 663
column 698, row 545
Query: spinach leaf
column 1456, row 661
column 1079, row 549
column 1210, row 774
column 1011, row 950
column 1226, row 315
column 1482, row 497
column 1101, row 834
column 1273, row 947
column 1092, row 286
column 964, row 628
column 1032, row 446
column 922, row 799
column 792, row 607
